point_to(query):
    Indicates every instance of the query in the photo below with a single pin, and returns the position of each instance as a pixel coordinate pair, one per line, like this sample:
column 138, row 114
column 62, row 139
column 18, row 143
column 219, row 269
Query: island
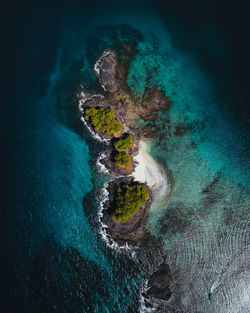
column 139, row 179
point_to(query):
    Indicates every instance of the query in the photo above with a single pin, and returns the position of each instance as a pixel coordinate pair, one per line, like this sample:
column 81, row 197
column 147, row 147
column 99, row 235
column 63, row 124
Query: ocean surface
column 53, row 259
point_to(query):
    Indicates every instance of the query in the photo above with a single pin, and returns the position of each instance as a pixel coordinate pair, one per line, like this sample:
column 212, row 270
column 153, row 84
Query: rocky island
column 140, row 180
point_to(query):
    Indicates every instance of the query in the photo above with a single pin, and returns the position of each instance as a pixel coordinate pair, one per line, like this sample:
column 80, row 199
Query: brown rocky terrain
column 107, row 67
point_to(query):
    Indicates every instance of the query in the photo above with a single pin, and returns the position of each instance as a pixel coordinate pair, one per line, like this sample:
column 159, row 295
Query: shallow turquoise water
column 63, row 265
column 204, row 224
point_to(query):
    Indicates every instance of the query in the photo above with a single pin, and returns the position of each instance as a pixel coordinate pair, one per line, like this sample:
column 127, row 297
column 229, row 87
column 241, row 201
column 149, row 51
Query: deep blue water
column 52, row 259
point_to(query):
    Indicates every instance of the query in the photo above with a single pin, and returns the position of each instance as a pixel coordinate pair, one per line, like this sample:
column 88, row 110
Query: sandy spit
column 150, row 172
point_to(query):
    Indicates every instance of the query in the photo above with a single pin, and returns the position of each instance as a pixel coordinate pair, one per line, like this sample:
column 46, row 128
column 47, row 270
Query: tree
column 124, row 143
column 122, row 159
column 103, row 119
column 129, row 198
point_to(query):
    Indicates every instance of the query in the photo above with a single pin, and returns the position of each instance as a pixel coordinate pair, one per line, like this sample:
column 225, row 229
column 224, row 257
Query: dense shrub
column 122, row 159
column 103, row 119
column 128, row 200
column 123, row 144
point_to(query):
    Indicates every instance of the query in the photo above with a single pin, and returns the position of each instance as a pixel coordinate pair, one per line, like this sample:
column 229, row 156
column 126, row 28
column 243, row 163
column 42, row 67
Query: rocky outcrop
column 107, row 66
column 127, row 109
column 159, row 283
column 132, row 230
column 99, row 101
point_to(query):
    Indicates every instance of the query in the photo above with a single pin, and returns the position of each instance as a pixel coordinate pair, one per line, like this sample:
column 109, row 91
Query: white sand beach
column 150, row 172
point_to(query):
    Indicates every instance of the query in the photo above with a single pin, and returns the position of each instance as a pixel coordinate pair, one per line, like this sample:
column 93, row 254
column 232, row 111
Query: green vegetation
column 122, row 159
column 123, row 144
column 103, row 119
column 128, row 200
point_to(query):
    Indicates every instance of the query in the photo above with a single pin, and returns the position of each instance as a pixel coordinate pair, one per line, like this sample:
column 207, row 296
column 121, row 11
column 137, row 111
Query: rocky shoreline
column 125, row 110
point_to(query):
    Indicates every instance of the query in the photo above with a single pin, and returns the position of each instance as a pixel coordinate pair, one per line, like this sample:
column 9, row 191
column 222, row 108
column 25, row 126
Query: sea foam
column 104, row 194
column 83, row 100
column 102, row 168
column 143, row 308
column 103, row 228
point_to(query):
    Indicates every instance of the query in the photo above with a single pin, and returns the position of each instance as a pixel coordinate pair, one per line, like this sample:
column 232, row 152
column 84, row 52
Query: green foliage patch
column 122, row 159
column 103, row 119
column 128, row 200
column 125, row 143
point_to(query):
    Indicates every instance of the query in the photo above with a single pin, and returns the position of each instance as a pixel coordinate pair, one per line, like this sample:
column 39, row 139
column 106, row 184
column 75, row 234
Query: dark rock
column 108, row 70
column 107, row 78
column 159, row 283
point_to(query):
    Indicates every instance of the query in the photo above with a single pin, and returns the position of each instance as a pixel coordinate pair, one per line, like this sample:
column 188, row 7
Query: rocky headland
column 132, row 230
column 140, row 180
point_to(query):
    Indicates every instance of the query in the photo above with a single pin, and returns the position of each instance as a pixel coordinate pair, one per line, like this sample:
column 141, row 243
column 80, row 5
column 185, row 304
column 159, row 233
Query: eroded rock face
column 159, row 283
column 107, row 71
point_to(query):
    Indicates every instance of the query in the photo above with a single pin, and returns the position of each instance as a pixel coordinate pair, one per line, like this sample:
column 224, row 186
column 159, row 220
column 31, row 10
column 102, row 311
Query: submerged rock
column 147, row 132
column 152, row 102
